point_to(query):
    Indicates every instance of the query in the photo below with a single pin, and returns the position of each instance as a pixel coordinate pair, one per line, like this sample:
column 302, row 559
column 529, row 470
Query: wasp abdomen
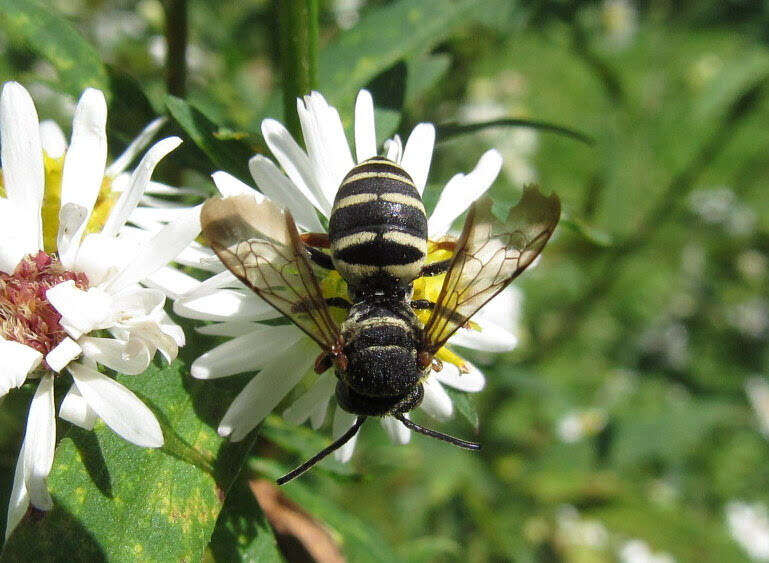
column 381, row 351
column 378, row 226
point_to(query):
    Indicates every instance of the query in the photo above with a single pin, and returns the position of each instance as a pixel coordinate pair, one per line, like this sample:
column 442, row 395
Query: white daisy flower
column 307, row 184
column 70, row 298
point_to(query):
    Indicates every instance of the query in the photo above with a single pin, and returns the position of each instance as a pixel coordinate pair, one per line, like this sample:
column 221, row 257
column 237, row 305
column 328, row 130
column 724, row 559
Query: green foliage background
column 648, row 312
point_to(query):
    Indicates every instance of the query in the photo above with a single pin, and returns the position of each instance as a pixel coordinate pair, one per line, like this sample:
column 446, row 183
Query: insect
column 378, row 243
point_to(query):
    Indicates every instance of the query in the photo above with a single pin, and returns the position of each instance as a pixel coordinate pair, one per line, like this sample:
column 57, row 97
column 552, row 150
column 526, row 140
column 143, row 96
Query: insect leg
column 436, row 268
column 316, row 240
column 340, row 302
column 435, row 434
column 338, row 443
column 422, row 305
column 319, row 257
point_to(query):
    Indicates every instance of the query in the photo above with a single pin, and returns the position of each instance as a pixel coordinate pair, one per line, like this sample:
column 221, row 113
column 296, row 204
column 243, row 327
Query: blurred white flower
column 638, row 551
column 60, row 289
column 580, row 424
column 574, row 530
column 347, row 12
column 720, row 206
column 749, row 526
column 283, row 354
column 757, row 390
column 750, row 317
column 620, row 20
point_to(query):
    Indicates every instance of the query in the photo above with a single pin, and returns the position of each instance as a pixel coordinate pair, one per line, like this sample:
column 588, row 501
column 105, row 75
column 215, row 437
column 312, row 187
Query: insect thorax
column 378, row 227
column 381, row 340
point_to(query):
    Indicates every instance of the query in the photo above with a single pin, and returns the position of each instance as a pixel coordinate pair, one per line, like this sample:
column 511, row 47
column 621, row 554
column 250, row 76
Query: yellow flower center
column 332, row 285
column 52, row 202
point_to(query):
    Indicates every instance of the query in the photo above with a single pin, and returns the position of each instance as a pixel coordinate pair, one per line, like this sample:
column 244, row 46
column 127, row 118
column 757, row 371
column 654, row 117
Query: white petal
column 418, row 154
column 101, row 257
column 138, row 303
column 161, row 249
column 504, row 310
column 318, row 394
column 130, row 358
column 18, row 361
column 396, row 430
column 263, row 393
column 318, row 414
column 52, row 139
column 461, row 191
column 393, row 148
column 343, row 421
column 75, row 409
column 226, row 305
column 365, row 127
column 118, row 407
column 22, row 159
column 225, row 279
column 39, row 443
column 158, row 188
column 296, row 163
column 64, row 352
column 231, row 329
column 471, row 382
column 284, row 192
column 169, row 327
column 437, row 402
column 491, row 338
column 325, row 141
column 229, row 186
column 140, row 178
column 172, row 282
column 136, row 146
column 81, row 311
column 17, row 240
column 249, row 352
column 83, row 171
column 19, row 501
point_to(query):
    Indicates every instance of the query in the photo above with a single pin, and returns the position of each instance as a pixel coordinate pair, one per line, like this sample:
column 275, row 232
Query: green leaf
column 242, row 532
column 591, row 234
column 39, row 28
column 465, row 406
column 375, row 44
column 446, row 131
column 219, row 147
column 115, row 500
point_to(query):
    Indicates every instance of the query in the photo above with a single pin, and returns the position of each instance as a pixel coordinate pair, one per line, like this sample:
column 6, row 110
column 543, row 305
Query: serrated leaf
column 223, row 151
column 464, row 406
column 53, row 38
column 115, row 500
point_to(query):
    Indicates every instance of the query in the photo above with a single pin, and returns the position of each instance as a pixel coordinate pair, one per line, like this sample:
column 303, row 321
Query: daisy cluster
column 89, row 253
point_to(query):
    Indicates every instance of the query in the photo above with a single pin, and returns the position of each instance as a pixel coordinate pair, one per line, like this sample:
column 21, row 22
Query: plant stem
column 176, row 43
column 298, row 34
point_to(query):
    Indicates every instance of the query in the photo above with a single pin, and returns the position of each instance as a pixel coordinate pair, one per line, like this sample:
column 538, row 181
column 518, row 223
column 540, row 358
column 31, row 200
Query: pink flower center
column 26, row 316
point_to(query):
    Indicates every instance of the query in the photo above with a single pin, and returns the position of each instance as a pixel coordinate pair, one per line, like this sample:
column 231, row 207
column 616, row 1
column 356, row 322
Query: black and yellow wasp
column 378, row 243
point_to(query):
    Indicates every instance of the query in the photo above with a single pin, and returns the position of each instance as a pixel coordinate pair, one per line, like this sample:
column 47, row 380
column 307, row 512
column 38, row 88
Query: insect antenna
column 435, row 434
column 338, row 443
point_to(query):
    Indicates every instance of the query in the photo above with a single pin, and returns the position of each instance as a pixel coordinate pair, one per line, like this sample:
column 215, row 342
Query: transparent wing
column 490, row 254
column 260, row 244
